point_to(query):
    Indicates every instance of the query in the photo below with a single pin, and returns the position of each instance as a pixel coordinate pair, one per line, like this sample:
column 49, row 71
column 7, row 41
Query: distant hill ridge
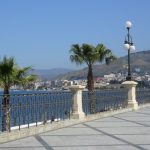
column 139, row 61
column 47, row 74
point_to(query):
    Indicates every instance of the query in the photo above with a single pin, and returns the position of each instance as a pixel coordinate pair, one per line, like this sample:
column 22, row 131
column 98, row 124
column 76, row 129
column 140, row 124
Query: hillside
column 47, row 74
column 140, row 61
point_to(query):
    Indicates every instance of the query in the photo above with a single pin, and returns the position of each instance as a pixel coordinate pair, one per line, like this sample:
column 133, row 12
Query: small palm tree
column 11, row 74
column 90, row 55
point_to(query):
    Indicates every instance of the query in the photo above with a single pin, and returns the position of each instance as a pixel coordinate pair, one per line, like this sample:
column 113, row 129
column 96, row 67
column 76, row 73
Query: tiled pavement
column 127, row 131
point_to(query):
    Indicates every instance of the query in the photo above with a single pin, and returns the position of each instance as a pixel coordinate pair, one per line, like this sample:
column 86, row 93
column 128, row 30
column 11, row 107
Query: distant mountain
column 47, row 74
column 140, row 62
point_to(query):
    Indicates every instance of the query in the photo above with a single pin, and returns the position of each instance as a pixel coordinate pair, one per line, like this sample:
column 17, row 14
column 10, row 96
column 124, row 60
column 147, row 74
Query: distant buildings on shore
column 107, row 81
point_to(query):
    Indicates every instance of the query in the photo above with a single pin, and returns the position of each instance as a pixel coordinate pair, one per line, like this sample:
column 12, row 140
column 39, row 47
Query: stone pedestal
column 77, row 110
column 131, row 87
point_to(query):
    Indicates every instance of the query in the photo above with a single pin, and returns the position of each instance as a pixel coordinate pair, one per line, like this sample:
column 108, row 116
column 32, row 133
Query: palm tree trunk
column 5, row 110
column 90, row 86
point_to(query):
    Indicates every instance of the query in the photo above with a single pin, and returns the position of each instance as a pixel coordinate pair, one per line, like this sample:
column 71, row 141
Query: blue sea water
column 25, row 91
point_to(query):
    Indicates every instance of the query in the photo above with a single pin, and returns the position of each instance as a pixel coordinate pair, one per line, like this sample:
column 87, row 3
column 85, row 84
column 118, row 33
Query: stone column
column 77, row 110
column 131, row 86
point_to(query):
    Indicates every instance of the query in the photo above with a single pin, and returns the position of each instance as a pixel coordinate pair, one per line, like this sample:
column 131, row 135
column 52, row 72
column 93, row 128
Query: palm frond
column 76, row 54
column 10, row 74
column 90, row 54
column 6, row 66
column 110, row 59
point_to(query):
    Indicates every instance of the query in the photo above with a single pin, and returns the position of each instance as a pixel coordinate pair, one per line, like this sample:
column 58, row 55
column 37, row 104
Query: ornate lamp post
column 128, row 44
column 128, row 84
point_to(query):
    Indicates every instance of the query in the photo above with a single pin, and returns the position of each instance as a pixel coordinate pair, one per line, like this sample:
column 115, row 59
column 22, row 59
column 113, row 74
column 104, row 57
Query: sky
column 40, row 33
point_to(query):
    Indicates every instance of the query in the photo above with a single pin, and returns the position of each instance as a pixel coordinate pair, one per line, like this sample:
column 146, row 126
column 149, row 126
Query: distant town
column 107, row 81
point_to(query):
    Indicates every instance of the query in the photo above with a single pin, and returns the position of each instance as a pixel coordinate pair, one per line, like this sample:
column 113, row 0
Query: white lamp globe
column 128, row 24
column 132, row 48
column 126, row 46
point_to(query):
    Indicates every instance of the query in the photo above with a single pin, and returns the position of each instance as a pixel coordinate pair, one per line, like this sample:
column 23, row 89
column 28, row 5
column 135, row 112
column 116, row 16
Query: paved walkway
column 127, row 131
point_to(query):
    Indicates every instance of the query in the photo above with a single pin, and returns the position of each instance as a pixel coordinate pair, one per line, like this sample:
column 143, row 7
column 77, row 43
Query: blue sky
column 41, row 32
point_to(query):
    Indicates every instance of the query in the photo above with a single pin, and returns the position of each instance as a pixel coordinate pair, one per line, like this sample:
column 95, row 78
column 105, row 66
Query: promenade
column 126, row 131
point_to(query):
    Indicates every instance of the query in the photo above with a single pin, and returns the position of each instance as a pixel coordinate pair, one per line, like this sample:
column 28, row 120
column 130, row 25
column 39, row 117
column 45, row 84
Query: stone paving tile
column 137, row 118
column 98, row 147
column 22, row 144
column 113, row 124
column 109, row 119
column 23, row 148
column 81, row 140
column 147, row 123
column 146, row 146
column 129, row 131
column 136, row 139
column 73, row 130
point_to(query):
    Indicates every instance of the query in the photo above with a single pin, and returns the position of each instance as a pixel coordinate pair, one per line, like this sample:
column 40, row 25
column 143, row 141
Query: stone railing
column 41, row 112
column 27, row 110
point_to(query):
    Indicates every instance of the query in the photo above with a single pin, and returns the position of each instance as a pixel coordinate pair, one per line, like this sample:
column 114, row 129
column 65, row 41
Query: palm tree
column 11, row 74
column 90, row 55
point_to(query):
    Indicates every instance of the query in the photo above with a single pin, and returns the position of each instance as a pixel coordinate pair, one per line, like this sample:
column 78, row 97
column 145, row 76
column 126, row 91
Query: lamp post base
column 131, row 88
